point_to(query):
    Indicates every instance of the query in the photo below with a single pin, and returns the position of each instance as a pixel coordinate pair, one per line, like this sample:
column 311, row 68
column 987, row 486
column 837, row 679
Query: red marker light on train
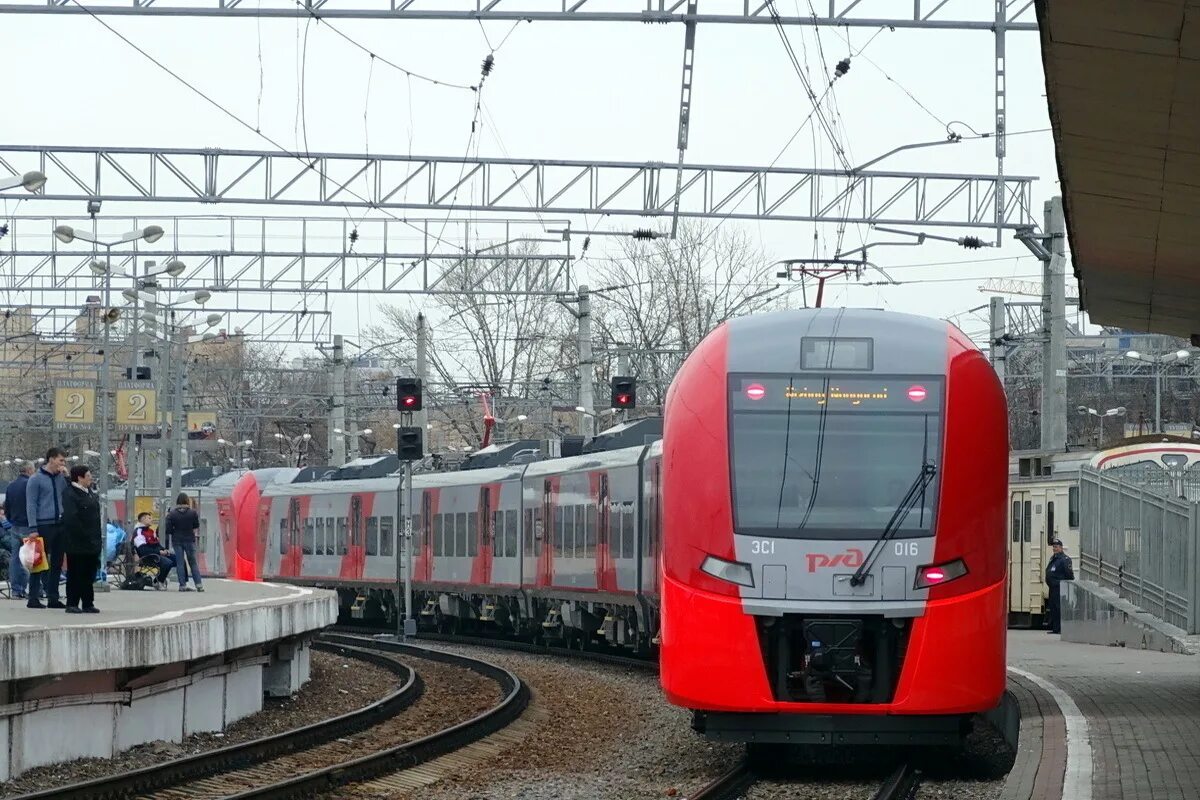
column 917, row 393
column 756, row 391
column 937, row 574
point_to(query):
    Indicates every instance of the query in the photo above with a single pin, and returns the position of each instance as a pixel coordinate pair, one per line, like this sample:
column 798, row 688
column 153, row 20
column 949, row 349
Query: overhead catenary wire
column 239, row 120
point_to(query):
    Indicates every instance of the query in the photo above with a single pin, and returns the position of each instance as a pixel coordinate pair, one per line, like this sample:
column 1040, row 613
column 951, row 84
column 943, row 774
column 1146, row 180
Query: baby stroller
column 145, row 574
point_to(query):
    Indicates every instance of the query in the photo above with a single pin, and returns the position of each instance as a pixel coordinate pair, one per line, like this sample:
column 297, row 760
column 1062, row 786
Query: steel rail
column 214, row 762
column 410, row 754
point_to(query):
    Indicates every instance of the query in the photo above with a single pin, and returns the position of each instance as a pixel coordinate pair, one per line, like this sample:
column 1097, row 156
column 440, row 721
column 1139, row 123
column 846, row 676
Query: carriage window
column 438, row 547
column 539, row 532
column 558, row 530
column 460, row 535
column 627, row 532
column 341, row 536
column 472, row 535
column 589, row 527
column 528, row 551
column 1049, row 520
column 202, row 540
column 1016, row 521
column 283, row 537
column 330, row 535
column 1073, row 507
column 418, row 535
column 510, row 528
column 569, row 531
column 498, row 534
column 386, row 536
column 372, row 536
column 308, row 537
column 615, row 513
column 318, row 534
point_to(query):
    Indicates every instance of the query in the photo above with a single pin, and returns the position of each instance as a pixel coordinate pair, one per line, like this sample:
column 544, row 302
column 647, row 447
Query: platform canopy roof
column 1123, row 85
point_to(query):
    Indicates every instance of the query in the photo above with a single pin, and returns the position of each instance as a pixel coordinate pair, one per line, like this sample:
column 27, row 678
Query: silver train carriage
column 565, row 548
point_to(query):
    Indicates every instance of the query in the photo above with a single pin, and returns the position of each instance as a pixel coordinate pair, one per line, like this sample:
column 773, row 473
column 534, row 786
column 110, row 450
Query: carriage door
column 1021, row 547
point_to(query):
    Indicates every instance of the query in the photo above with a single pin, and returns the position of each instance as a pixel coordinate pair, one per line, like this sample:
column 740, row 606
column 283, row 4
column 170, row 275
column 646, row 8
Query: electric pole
column 337, row 442
column 1054, row 329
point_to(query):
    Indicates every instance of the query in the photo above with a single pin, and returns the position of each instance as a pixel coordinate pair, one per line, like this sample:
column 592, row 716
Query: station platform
column 150, row 666
column 1117, row 723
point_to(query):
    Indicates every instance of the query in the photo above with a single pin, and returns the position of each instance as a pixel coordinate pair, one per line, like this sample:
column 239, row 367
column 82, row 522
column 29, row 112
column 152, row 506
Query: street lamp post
column 1177, row 357
column 1112, row 412
column 31, row 181
column 172, row 331
column 144, row 290
column 66, row 234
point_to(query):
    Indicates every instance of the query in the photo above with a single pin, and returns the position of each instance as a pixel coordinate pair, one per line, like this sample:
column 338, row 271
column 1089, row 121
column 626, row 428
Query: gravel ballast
column 606, row 733
column 336, row 686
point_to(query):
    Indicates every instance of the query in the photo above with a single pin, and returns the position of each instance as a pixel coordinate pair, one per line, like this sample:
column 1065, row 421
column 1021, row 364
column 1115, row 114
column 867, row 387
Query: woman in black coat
column 84, row 535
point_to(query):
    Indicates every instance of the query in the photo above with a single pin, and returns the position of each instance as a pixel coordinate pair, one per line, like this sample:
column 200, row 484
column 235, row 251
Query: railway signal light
column 624, row 392
column 408, row 394
column 409, row 443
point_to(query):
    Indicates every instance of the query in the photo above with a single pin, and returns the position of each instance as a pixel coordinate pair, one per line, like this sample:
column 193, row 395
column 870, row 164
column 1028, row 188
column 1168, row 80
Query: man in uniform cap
column 1058, row 570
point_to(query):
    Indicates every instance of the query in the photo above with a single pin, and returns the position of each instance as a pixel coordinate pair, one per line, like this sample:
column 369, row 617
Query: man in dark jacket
column 44, row 508
column 84, row 540
column 18, row 515
column 1058, row 570
column 180, row 529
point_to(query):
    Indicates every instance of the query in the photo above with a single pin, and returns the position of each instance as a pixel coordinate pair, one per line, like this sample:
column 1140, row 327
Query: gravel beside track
column 847, row 789
column 336, row 686
column 452, row 695
column 604, row 733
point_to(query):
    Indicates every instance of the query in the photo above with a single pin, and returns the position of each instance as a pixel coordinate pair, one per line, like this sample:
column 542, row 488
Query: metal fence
column 1167, row 479
column 1142, row 544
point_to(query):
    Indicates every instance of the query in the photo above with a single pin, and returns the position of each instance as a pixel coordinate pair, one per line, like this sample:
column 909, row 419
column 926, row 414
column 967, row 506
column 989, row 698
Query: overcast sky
column 558, row 90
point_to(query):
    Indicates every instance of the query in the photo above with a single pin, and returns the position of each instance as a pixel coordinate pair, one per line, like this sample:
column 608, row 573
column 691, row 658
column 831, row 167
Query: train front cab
column 765, row 635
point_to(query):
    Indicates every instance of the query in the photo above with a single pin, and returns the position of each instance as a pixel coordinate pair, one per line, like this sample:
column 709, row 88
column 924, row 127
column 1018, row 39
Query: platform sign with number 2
column 74, row 405
column 137, row 408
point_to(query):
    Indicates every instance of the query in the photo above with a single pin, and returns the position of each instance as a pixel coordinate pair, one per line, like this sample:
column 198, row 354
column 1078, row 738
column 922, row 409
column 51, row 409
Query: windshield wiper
column 924, row 477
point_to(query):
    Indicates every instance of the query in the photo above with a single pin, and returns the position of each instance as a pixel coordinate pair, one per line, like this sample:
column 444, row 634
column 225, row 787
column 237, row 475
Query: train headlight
column 937, row 574
column 730, row 571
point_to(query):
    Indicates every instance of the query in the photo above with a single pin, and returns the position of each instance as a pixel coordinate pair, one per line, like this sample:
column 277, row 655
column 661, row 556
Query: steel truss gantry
column 302, row 255
column 523, row 186
column 937, row 14
column 309, row 321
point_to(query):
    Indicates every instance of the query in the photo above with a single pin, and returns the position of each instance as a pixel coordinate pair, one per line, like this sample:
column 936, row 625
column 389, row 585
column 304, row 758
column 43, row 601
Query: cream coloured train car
column 1044, row 504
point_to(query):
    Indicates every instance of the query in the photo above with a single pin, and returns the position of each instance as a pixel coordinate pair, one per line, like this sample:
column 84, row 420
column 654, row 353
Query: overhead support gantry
column 525, row 186
column 926, row 14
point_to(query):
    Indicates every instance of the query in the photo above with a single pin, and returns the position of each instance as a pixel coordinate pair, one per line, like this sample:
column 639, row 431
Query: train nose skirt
column 866, row 729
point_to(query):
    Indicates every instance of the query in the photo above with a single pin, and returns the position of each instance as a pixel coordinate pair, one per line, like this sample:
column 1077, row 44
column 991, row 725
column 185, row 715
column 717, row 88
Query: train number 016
column 905, row 548
column 765, row 547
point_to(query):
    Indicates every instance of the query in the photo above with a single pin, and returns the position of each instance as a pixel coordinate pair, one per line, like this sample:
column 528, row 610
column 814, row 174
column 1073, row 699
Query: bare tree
column 661, row 298
column 479, row 340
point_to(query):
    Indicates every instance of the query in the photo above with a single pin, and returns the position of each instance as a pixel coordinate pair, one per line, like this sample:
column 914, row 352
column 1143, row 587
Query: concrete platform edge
column 165, row 638
column 1092, row 614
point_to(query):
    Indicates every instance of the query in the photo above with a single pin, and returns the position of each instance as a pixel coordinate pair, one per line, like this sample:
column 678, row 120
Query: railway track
column 267, row 767
column 517, row 646
column 733, row 785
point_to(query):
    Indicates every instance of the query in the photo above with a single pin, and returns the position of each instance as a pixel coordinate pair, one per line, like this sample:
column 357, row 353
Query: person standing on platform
column 18, row 515
column 44, row 508
column 1058, row 570
column 83, row 533
column 181, row 528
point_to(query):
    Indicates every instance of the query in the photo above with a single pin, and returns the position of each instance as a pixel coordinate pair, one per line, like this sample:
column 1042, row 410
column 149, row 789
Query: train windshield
column 823, row 457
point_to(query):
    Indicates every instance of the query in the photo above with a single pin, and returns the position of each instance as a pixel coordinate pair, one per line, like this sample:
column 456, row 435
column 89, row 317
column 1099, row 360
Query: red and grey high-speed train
column 834, row 498
column 564, row 549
